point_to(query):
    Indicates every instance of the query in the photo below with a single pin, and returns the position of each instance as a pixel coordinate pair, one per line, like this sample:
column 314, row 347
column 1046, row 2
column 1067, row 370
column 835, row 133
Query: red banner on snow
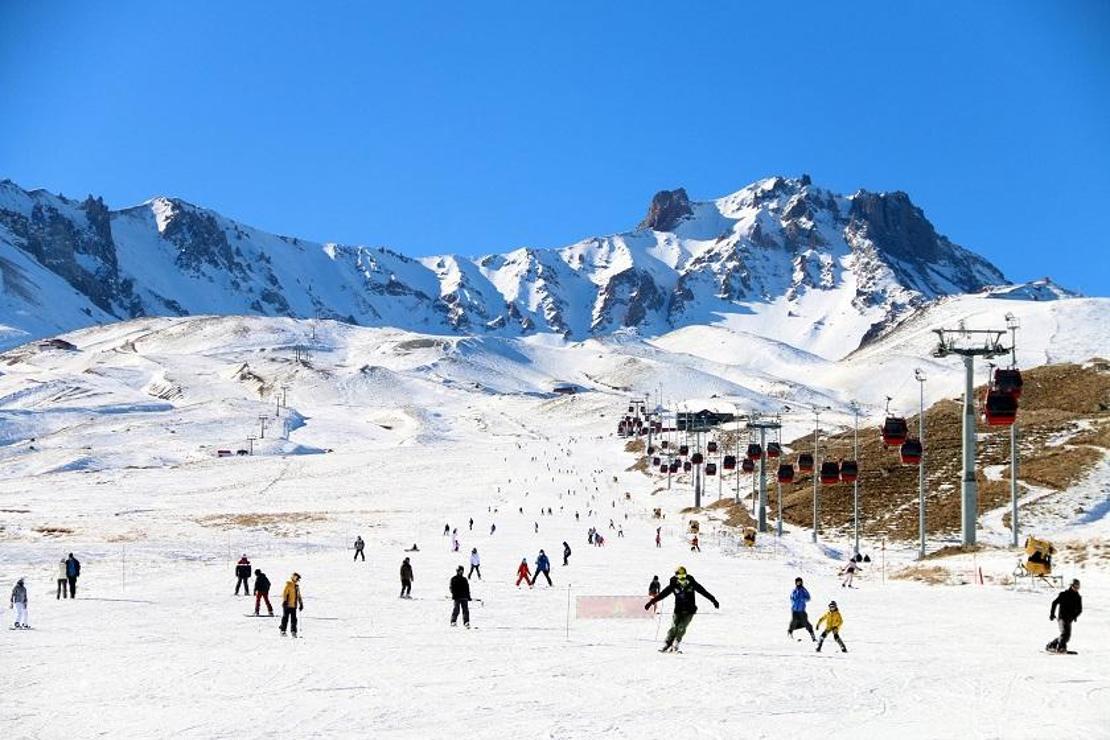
column 612, row 607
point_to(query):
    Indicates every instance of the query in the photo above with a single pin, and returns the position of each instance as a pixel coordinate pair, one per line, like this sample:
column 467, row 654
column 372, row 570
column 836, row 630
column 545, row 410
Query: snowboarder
column 242, row 575
column 543, row 567
column 1066, row 608
column 414, row 548
column 832, row 621
column 849, row 572
column 19, row 603
column 261, row 592
column 460, row 594
column 684, row 588
column 406, row 579
column 798, row 617
column 475, row 564
column 291, row 603
column 523, row 574
column 359, row 547
column 566, row 553
column 63, row 585
column 73, row 571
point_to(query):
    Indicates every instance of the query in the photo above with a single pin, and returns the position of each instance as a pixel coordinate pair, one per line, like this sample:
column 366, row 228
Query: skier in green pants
column 684, row 588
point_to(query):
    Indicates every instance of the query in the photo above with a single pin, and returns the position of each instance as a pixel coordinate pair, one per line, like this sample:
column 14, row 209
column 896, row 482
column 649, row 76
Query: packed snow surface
column 110, row 452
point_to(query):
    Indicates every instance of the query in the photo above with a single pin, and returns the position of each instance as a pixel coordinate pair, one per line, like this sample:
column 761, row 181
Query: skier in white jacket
column 19, row 603
column 475, row 564
column 63, row 579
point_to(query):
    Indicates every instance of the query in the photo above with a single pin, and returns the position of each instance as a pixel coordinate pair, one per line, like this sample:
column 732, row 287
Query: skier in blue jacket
column 798, row 617
column 543, row 567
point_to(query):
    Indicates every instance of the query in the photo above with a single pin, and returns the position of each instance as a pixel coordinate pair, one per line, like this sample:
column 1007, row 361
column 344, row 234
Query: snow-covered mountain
column 781, row 257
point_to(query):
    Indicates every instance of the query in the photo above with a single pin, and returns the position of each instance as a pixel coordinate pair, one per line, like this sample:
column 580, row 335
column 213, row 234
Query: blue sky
column 479, row 127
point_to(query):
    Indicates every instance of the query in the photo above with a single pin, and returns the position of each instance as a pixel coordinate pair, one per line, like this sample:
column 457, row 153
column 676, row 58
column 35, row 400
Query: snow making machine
column 1037, row 563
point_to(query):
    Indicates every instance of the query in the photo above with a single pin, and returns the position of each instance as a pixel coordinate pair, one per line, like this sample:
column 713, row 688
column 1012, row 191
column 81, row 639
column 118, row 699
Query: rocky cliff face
column 780, row 246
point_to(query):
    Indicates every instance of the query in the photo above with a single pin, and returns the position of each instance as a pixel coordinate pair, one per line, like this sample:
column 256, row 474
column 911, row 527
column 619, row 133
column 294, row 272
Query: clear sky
column 477, row 127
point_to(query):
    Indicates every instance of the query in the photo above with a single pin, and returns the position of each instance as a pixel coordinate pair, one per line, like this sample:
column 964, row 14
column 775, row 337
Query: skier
column 19, row 603
column 543, row 566
column 446, row 529
column 1070, row 605
column 454, row 540
column 694, row 546
column 620, row 531
column 684, row 588
column 492, row 529
column 658, row 536
column 291, row 603
column 832, row 621
column 566, row 553
column 406, row 579
column 653, row 590
column 73, row 571
column 798, row 617
column 523, row 574
column 460, row 594
column 471, row 524
column 63, row 585
column 359, row 545
column 242, row 575
column 537, row 527
column 261, row 592
column 475, row 564
column 849, row 572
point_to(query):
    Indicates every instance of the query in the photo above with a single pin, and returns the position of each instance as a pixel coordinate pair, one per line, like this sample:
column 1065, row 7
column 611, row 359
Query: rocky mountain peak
column 667, row 208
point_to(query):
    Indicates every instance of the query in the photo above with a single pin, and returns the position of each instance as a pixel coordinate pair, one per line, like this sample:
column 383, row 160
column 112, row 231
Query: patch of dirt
column 635, row 446
column 52, row 531
column 281, row 524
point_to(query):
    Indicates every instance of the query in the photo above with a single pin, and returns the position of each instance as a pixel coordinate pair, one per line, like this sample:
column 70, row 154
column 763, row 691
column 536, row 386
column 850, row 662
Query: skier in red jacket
column 523, row 574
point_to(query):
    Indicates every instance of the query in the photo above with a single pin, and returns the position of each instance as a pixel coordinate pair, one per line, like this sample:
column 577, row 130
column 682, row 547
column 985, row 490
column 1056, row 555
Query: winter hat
column 680, row 571
column 296, row 576
column 459, row 570
column 1075, row 582
column 832, row 604
column 258, row 571
column 798, row 581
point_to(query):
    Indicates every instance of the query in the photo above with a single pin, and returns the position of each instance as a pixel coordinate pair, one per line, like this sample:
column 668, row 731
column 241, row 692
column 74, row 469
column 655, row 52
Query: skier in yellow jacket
column 290, row 603
column 832, row 621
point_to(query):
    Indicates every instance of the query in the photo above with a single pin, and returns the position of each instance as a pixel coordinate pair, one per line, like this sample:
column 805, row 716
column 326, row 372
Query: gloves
column 716, row 605
column 647, row 606
column 1052, row 617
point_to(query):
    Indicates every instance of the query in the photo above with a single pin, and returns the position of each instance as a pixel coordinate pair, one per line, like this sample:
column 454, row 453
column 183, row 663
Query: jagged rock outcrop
column 667, row 208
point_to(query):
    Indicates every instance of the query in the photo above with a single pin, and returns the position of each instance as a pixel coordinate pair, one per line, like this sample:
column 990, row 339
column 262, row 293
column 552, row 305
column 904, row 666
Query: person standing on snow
column 523, row 574
column 406, row 579
column 658, row 536
column 261, row 592
column 798, row 617
column 73, row 571
column 475, row 564
column 460, row 594
column 849, row 572
column 653, row 589
column 359, row 549
column 543, row 567
column 566, row 553
column 471, row 524
column 832, row 621
column 694, row 545
column 291, row 603
column 684, row 588
column 63, row 585
column 19, row 603
column 242, row 575
column 1069, row 605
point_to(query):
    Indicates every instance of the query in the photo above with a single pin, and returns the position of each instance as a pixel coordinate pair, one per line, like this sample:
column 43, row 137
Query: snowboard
column 260, row 615
column 1057, row 652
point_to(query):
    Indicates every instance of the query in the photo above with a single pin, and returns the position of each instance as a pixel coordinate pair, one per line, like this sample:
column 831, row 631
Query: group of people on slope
column 799, row 619
column 291, row 601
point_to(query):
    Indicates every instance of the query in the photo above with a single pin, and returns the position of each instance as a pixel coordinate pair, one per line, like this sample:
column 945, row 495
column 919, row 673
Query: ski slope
column 109, row 452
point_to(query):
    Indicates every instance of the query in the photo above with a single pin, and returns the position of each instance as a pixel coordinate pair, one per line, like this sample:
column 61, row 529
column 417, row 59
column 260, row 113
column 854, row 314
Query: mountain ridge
column 849, row 264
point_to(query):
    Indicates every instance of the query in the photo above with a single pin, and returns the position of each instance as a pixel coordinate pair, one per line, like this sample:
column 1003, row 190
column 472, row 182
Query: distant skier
column 454, row 540
column 684, row 588
column 1066, row 608
column 63, row 585
column 523, row 574
column 446, row 529
column 242, row 575
column 849, row 572
column 460, row 594
column 658, row 536
column 359, row 549
column 475, row 564
column 261, row 592
column 73, row 572
column 543, row 567
column 798, row 617
column 537, row 530
column 19, row 603
column 653, row 590
column 566, row 553
column 695, row 546
column 291, row 603
column 471, row 524
column 832, row 621
column 406, row 579
column 620, row 531
column 492, row 528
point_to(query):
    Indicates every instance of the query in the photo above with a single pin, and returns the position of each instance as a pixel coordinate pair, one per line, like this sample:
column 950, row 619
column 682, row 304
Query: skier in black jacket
column 460, row 594
column 1068, row 605
column 684, row 588
column 261, row 592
